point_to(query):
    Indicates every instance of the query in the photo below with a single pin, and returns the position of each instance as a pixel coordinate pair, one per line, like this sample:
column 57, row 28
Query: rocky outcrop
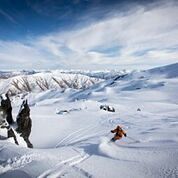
column 24, row 123
column 7, row 108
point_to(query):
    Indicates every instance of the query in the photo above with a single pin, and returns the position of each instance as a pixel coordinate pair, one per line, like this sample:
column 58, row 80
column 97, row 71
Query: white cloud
column 16, row 55
column 144, row 37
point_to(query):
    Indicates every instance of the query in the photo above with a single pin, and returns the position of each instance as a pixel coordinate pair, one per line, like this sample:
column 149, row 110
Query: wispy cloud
column 8, row 17
column 142, row 38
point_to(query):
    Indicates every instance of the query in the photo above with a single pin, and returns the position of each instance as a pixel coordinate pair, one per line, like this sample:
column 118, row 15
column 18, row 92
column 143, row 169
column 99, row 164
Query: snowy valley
column 71, row 134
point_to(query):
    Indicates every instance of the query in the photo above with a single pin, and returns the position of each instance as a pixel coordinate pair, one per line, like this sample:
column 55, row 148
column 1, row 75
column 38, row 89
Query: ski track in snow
column 70, row 137
column 19, row 162
column 66, row 166
column 81, row 135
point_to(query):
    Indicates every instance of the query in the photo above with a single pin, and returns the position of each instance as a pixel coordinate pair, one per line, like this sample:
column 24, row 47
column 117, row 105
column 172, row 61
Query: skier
column 119, row 132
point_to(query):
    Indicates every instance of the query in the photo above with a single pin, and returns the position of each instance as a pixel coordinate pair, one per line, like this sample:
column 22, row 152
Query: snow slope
column 76, row 143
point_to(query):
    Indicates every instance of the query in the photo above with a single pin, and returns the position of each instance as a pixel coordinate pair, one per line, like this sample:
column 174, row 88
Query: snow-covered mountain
column 71, row 134
column 42, row 81
column 8, row 74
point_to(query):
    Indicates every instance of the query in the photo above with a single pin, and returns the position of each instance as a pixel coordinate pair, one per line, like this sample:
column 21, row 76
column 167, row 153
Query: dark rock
column 5, row 125
column 6, row 106
column 24, row 123
column 107, row 108
column 138, row 109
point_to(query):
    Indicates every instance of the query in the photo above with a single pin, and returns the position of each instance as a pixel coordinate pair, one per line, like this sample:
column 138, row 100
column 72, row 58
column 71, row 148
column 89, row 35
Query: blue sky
column 87, row 34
